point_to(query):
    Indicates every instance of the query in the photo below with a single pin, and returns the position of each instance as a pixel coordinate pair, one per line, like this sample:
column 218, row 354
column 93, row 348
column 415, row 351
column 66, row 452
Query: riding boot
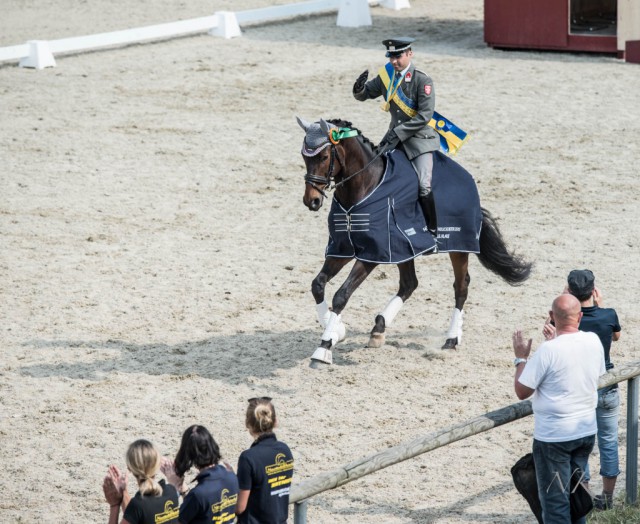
column 429, row 210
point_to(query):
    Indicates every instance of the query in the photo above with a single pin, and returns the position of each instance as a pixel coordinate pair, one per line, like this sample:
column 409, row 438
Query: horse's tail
column 495, row 256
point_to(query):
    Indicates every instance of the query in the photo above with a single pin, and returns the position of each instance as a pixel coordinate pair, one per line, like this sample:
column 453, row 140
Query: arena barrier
column 302, row 492
column 39, row 54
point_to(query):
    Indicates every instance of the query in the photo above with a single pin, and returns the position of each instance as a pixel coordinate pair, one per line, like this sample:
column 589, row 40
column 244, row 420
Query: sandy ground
column 156, row 258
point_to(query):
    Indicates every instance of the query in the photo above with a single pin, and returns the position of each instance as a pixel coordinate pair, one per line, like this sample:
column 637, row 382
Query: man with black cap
column 409, row 97
column 604, row 323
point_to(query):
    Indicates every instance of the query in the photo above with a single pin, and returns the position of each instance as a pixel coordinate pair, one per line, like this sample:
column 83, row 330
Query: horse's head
column 324, row 157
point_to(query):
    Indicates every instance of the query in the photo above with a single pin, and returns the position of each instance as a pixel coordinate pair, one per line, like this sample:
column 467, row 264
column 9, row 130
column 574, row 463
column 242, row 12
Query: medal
column 385, row 106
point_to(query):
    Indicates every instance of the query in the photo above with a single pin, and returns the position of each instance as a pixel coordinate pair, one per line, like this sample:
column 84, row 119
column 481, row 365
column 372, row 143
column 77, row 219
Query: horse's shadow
column 230, row 358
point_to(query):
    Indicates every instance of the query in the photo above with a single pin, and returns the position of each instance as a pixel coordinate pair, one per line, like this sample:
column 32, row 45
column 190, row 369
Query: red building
column 600, row 26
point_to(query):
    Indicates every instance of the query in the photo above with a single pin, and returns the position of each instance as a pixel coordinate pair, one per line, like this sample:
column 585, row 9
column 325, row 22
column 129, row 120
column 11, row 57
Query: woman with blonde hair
column 264, row 470
column 155, row 500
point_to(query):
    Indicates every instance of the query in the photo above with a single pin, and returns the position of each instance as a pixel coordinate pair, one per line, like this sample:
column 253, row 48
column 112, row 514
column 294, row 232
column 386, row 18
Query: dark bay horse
column 336, row 153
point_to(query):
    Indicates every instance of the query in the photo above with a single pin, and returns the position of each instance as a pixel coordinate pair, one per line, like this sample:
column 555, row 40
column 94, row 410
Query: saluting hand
column 359, row 85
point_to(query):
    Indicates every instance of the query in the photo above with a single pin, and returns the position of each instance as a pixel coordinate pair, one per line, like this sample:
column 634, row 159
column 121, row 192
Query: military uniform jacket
column 411, row 108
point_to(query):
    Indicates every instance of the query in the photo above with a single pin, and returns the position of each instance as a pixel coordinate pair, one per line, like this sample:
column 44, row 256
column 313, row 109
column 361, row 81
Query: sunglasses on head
column 259, row 399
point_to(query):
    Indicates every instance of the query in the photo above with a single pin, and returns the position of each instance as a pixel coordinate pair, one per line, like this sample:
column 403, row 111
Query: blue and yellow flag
column 451, row 136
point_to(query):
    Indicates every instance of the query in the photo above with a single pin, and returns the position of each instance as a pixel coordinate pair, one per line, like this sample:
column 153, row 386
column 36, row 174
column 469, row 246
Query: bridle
column 325, row 181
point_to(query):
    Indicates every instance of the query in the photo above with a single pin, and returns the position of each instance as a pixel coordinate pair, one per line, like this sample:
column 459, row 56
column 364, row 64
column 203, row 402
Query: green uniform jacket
column 416, row 135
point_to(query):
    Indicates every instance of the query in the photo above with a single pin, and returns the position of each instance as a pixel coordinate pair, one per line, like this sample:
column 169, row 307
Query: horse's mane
column 343, row 123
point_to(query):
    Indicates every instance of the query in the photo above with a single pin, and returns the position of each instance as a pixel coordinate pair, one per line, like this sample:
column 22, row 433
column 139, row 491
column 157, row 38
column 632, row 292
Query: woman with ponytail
column 154, row 502
column 214, row 497
column 264, row 470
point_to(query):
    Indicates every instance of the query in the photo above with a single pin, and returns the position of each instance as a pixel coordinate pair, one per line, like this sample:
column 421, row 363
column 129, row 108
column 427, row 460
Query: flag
column 451, row 136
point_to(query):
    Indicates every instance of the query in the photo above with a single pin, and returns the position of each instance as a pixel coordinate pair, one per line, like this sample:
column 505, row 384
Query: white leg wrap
column 391, row 310
column 455, row 326
column 322, row 310
column 322, row 355
column 335, row 329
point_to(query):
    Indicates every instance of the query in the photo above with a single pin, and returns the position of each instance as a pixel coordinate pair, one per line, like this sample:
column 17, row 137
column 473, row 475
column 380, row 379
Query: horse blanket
column 388, row 227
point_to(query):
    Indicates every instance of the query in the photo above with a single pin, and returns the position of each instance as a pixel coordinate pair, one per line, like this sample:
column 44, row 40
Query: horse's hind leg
column 408, row 284
column 334, row 328
column 460, row 263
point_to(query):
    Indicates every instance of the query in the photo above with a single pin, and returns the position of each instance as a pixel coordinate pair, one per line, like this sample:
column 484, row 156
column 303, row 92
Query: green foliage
column 620, row 514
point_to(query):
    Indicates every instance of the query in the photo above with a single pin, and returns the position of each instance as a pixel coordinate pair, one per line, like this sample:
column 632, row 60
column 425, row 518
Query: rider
column 410, row 99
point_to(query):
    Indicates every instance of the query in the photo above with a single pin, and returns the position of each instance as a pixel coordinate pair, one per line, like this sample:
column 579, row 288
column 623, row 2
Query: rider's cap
column 581, row 283
column 395, row 46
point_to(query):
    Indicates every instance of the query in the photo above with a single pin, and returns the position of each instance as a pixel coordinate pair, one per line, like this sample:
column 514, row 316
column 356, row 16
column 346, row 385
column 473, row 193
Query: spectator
column 215, row 495
column 604, row 323
column 154, row 502
column 563, row 377
column 264, row 470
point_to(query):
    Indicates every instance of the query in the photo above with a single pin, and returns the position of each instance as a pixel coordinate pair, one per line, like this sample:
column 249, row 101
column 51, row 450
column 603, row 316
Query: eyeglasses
column 259, row 399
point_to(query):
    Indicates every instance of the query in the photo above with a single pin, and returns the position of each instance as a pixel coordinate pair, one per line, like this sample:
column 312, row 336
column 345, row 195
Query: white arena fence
column 40, row 53
column 302, row 492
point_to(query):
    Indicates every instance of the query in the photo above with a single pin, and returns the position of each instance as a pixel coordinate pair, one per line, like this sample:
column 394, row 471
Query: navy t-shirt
column 213, row 499
column 266, row 468
column 154, row 510
column 603, row 322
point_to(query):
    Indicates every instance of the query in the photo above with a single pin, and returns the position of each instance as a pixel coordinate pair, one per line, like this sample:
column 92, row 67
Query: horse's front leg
column 460, row 263
column 330, row 269
column 334, row 330
column 408, row 284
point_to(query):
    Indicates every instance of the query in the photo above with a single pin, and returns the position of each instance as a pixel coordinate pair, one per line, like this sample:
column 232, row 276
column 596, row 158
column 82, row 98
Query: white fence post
column 395, row 4
column 353, row 13
column 228, row 26
column 40, row 55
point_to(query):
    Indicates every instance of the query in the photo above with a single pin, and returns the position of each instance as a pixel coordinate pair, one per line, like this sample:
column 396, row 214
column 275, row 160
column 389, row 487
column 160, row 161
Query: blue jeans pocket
column 609, row 399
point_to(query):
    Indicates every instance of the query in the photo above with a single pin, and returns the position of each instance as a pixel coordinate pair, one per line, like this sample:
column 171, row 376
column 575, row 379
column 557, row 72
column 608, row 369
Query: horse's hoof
column 321, row 356
column 451, row 343
column 376, row 340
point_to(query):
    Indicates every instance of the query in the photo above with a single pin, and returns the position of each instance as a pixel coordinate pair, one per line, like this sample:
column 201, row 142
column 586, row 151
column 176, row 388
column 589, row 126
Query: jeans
column 555, row 463
column 607, row 414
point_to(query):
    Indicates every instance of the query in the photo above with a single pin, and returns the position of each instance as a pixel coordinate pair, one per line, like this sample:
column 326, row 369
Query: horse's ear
column 324, row 126
column 303, row 123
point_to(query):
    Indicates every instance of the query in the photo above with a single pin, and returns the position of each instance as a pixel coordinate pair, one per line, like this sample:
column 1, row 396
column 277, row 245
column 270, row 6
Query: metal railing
column 302, row 492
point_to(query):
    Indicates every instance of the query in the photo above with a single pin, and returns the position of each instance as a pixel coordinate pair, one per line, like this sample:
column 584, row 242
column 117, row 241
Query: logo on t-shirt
column 170, row 513
column 226, row 502
column 279, row 475
column 281, row 465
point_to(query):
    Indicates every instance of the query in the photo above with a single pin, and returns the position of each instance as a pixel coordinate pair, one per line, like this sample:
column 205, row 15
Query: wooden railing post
column 300, row 512
column 632, row 441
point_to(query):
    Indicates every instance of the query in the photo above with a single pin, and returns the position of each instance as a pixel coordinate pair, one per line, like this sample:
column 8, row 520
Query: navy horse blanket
column 388, row 227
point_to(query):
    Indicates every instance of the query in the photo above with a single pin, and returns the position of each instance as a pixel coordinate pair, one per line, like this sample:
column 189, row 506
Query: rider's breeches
column 423, row 164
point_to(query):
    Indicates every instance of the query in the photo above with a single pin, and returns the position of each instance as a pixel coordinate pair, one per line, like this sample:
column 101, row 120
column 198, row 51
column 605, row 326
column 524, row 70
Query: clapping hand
column 520, row 347
column 359, row 85
column 114, row 485
column 168, row 469
column 548, row 330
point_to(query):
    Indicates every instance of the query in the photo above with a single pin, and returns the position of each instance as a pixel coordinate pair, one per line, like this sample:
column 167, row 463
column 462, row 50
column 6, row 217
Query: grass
column 620, row 514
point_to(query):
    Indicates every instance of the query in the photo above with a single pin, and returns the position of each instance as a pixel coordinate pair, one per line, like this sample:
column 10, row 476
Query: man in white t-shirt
column 563, row 377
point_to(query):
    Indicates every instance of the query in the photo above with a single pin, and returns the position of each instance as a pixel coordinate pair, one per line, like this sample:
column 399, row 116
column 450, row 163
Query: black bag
column 524, row 478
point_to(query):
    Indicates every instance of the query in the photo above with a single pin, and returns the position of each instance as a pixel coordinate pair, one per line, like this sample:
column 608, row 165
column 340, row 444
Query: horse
column 337, row 153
